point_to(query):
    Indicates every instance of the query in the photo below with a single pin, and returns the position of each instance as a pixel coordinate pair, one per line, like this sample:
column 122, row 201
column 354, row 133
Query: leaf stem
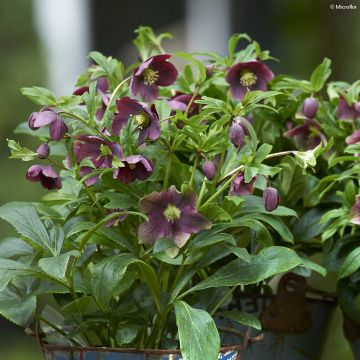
column 281, row 153
column 191, row 181
column 222, row 300
column 168, row 169
column 202, row 192
column 192, row 100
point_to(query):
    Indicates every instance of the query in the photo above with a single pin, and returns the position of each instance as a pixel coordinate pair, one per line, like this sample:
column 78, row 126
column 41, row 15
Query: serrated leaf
column 268, row 262
column 19, row 152
column 242, row 318
column 198, row 336
column 26, row 221
column 39, row 95
column 56, row 266
column 320, row 75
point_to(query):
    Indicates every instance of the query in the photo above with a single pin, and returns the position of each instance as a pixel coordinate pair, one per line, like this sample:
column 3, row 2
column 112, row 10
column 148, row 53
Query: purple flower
column 43, row 151
column 135, row 167
column 100, row 152
column 171, row 214
column 346, row 111
column 102, row 86
column 237, row 132
column 154, row 72
column 117, row 220
column 46, row 175
column 181, row 101
column 45, row 117
column 248, row 76
column 354, row 214
column 209, row 169
column 354, row 138
column 308, row 135
column 146, row 119
column 239, row 187
column 271, row 198
column 310, row 107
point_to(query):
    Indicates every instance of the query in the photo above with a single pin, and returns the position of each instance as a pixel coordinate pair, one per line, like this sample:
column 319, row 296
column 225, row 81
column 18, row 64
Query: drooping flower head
column 271, row 198
column 102, row 86
column 181, row 101
column 152, row 73
column 43, row 151
column 237, row 132
column 308, row 135
column 248, row 76
column 100, row 152
column 240, row 187
column 134, row 167
column 354, row 214
column 46, row 175
column 57, row 126
column 209, row 169
column 354, row 138
column 171, row 214
column 146, row 119
column 346, row 111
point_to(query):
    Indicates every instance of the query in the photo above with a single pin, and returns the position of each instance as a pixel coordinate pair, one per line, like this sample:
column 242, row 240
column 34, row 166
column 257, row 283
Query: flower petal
column 148, row 93
column 44, row 118
column 167, row 73
column 126, row 107
column 58, row 128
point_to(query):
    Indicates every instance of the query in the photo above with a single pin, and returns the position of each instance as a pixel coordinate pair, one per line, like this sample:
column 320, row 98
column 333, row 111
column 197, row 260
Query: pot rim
column 223, row 349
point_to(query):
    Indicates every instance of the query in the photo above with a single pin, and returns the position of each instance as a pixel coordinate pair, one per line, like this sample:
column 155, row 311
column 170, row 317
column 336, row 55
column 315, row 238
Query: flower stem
column 111, row 101
column 168, row 169
column 282, row 153
column 202, row 192
column 219, row 191
column 222, row 300
column 191, row 181
column 191, row 100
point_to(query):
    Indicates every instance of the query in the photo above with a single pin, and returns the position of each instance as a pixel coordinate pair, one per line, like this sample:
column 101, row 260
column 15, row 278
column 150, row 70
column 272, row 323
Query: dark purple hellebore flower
column 354, row 138
column 100, row 152
column 145, row 118
column 237, row 132
column 171, row 214
column 310, row 107
column 308, row 135
column 152, row 73
column 346, row 111
column 181, row 101
column 43, row 151
column 248, row 76
column 209, row 169
column 271, row 198
column 45, row 117
column 46, row 175
column 102, row 86
column 354, row 214
column 239, row 187
column 135, row 167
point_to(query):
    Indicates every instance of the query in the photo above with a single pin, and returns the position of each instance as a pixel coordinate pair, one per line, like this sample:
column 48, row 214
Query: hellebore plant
column 168, row 199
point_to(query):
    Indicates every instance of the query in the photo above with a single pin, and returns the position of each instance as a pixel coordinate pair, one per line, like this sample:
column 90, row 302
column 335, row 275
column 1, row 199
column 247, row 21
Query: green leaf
column 163, row 109
column 17, row 308
column 56, row 266
column 233, row 41
column 127, row 334
column 269, row 262
column 198, row 336
column 39, row 95
column 10, row 247
column 242, row 318
column 351, row 264
column 308, row 264
column 241, row 253
column 9, row 269
column 320, row 75
column 198, row 65
column 261, row 153
column 22, row 153
column 26, row 221
column 119, row 201
column 162, row 245
column 109, row 272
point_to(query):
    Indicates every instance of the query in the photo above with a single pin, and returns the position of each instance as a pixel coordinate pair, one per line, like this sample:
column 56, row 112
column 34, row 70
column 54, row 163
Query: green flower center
column 149, row 76
column 142, row 120
column 172, row 213
column 105, row 150
column 247, row 78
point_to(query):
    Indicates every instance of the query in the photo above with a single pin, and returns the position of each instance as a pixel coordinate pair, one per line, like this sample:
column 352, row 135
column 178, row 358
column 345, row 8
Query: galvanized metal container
column 294, row 327
column 78, row 353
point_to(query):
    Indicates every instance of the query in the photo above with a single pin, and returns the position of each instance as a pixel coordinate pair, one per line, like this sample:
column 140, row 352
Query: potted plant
column 163, row 207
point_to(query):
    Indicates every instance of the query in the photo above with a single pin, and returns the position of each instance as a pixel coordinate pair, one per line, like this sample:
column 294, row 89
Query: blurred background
column 46, row 42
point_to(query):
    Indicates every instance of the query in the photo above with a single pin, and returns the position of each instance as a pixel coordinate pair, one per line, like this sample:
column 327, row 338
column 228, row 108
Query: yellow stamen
column 149, row 76
column 247, row 78
column 172, row 213
column 142, row 120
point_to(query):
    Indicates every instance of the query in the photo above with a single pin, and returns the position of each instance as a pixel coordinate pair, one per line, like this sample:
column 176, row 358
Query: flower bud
column 271, row 198
column 310, row 107
column 209, row 169
column 237, row 133
column 32, row 119
column 43, row 151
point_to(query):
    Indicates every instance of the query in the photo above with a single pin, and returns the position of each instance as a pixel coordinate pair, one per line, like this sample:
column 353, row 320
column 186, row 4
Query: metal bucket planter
column 79, row 353
column 352, row 334
column 294, row 327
